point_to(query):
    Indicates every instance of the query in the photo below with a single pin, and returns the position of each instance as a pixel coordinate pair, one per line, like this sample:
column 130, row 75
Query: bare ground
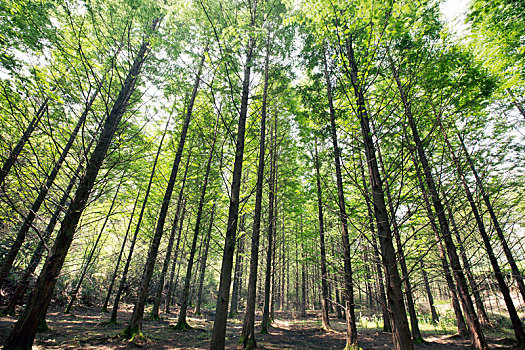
column 87, row 328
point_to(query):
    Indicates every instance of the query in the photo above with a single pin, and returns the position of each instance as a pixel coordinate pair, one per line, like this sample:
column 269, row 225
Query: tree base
column 247, row 343
column 132, row 333
column 326, row 328
column 181, row 326
column 42, row 326
column 419, row 340
column 352, row 347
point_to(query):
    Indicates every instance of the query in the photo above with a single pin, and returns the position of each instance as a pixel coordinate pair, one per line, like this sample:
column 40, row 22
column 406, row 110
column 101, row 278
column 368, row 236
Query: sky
column 453, row 12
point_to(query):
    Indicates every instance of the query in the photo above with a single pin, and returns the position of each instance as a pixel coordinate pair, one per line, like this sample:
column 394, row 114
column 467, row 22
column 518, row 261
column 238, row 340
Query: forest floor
column 87, row 328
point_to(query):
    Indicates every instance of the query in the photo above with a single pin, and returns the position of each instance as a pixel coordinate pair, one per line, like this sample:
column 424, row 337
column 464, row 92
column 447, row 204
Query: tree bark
column 165, row 265
column 516, row 274
column 271, row 226
column 247, row 338
column 134, row 327
column 483, row 317
column 504, row 289
column 13, row 156
column 401, row 331
column 237, row 277
column 173, row 286
column 9, row 259
column 430, row 298
column 476, row 334
column 203, row 263
column 87, row 264
column 122, row 283
column 23, row 333
column 119, row 259
column 221, row 311
column 181, row 323
column 351, row 331
column 460, row 321
column 325, row 319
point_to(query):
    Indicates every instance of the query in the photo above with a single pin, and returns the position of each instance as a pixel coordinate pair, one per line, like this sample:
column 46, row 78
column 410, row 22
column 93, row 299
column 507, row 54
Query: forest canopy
column 261, row 174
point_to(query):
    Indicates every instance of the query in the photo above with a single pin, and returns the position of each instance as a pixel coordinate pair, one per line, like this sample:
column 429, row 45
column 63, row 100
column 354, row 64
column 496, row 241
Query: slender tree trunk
column 271, row 225
column 203, row 263
column 476, row 334
column 23, row 285
column 8, row 261
column 13, row 156
column 23, row 333
column 483, row 317
column 181, row 323
column 433, row 312
column 515, row 101
column 180, row 204
column 122, row 283
column 324, row 274
column 173, row 285
column 351, row 331
column 303, row 273
column 221, row 311
column 134, row 327
column 87, row 265
column 505, row 291
column 460, row 321
column 237, row 277
column 119, row 259
column 387, row 324
column 516, row 274
column 165, row 265
column 247, row 338
column 416, row 333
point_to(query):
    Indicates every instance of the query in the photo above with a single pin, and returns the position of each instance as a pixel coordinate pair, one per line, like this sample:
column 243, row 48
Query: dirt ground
column 87, row 328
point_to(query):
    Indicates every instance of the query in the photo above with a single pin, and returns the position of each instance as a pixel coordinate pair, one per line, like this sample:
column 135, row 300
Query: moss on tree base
column 247, row 343
column 181, row 326
column 132, row 333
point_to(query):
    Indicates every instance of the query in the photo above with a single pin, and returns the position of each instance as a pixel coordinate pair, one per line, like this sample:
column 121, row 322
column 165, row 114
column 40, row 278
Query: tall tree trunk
column 387, row 324
column 172, row 286
column 87, row 264
column 23, row 333
column 23, row 285
column 504, row 289
column 8, row 261
column 237, row 277
column 483, row 317
column 416, row 333
column 13, row 156
column 430, row 298
column 516, row 274
column 476, row 334
column 221, row 311
column 325, row 325
column 122, row 282
column 165, row 265
column 460, row 321
column 119, row 259
column 271, row 225
column 181, row 323
column 351, row 331
column 303, row 273
column 247, row 338
column 203, row 263
column 134, row 327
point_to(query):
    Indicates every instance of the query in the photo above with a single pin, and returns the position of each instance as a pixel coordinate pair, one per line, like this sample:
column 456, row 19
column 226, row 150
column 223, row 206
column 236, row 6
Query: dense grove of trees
column 244, row 157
